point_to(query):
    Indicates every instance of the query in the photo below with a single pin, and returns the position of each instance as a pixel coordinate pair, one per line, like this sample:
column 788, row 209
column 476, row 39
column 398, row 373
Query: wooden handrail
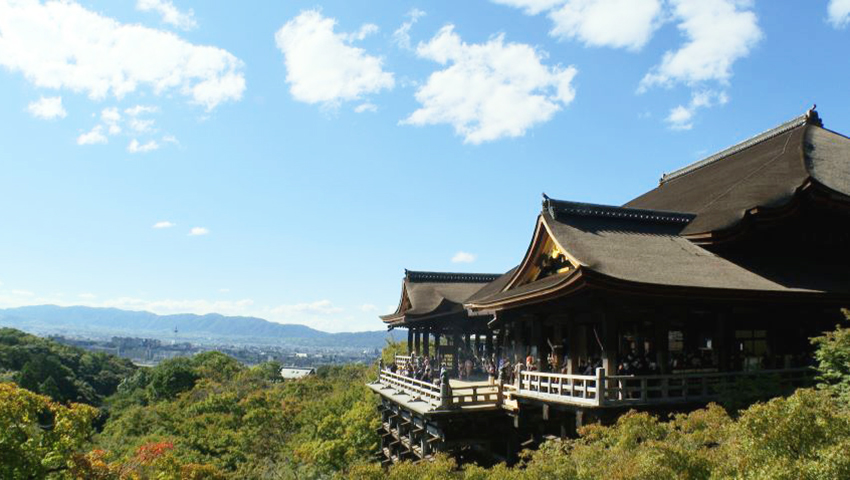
column 613, row 390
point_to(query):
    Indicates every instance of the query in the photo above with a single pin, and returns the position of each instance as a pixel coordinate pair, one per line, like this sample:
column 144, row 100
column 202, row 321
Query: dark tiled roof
column 637, row 249
column 765, row 171
column 558, row 208
column 811, row 117
column 493, row 287
column 448, row 277
column 437, row 293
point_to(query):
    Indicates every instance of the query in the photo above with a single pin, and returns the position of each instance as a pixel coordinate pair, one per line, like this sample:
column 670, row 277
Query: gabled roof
column 764, row 172
column 429, row 294
column 627, row 248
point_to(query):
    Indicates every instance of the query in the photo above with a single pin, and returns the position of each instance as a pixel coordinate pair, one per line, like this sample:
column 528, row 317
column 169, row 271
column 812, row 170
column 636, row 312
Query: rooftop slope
column 765, row 171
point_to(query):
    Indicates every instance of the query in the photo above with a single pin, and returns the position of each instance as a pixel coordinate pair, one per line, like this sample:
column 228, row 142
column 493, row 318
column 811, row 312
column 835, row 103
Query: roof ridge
column 610, row 211
column 811, row 117
column 449, row 277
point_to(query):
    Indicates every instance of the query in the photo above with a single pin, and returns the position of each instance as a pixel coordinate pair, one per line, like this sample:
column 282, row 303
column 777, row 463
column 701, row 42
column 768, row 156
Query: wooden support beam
column 573, row 339
column 610, row 339
column 417, row 338
column 409, row 340
column 426, row 342
column 488, row 345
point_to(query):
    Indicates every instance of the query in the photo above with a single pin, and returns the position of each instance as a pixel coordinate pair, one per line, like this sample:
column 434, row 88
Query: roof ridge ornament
column 563, row 207
column 449, row 277
column 811, row 117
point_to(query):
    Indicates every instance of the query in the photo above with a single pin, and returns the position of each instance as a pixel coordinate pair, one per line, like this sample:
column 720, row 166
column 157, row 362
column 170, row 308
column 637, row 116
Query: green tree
column 833, row 357
column 40, row 438
column 171, row 377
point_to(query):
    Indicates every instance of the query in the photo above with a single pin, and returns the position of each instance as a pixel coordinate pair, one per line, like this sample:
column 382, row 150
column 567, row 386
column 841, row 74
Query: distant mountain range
column 104, row 322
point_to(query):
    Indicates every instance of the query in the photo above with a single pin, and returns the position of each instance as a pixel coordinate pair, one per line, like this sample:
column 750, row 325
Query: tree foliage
column 40, row 438
column 64, row 373
column 833, row 357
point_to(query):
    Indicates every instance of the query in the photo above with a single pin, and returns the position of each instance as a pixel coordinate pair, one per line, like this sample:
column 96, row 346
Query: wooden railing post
column 380, row 368
column 600, row 386
column 445, row 390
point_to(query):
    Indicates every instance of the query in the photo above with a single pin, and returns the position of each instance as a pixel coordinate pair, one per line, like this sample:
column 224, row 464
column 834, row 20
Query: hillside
column 59, row 371
column 112, row 321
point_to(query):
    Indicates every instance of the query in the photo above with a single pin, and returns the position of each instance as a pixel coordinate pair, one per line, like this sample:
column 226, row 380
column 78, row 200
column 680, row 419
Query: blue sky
column 289, row 159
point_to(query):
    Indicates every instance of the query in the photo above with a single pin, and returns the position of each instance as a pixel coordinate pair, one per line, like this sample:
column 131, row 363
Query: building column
column 455, row 349
column 409, row 340
column 488, row 345
column 572, row 356
column 426, row 341
column 610, row 340
column 662, row 344
column 417, row 339
column 537, row 340
column 478, row 344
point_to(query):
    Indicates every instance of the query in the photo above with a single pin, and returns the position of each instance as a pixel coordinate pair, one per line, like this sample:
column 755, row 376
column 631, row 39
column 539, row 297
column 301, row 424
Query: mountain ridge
column 143, row 323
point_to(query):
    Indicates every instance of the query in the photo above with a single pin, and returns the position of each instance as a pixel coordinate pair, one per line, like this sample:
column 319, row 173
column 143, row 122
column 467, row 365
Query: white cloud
column 23, row 293
column 111, row 117
column 681, row 117
column 366, row 107
column 531, row 7
column 87, row 296
column 136, row 147
column 63, row 45
column 223, row 290
column 140, row 109
column 170, row 139
column 164, row 224
column 47, row 108
column 719, row 32
column 93, row 137
column 839, row 13
column 169, row 13
column 322, row 67
column 607, row 23
column 463, row 257
column 401, row 36
column 196, row 231
column 141, row 126
column 365, row 30
column 319, row 307
column 368, row 307
column 489, row 90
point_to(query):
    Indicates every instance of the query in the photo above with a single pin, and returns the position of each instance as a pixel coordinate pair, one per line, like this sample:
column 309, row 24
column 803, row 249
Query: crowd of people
column 473, row 367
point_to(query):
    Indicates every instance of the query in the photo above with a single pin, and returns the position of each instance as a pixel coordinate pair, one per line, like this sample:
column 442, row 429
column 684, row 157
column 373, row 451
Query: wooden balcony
column 425, row 397
column 603, row 390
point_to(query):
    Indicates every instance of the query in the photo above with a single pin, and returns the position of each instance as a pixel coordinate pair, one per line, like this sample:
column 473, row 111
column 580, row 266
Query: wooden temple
column 431, row 309
column 720, row 274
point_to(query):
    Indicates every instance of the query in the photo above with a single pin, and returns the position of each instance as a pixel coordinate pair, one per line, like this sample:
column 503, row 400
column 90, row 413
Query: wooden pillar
column 537, row 340
column 724, row 341
column 662, row 343
column 455, row 349
column 478, row 345
column 610, row 339
column 417, row 339
column 519, row 339
column 409, row 340
column 426, row 342
column 488, row 345
column 573, row 350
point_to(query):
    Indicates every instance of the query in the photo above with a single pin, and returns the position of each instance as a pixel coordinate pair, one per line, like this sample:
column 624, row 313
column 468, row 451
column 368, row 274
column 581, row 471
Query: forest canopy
column 210, row 417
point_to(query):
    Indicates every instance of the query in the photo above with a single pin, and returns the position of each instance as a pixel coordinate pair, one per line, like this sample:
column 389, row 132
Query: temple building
column 431, row 306
column 720, row 274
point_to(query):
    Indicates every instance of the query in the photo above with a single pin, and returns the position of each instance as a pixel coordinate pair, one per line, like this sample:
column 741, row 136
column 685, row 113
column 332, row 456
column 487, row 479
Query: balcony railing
column 622, row 390
column 599, row 390
column 692, row 387
column 437, row 397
